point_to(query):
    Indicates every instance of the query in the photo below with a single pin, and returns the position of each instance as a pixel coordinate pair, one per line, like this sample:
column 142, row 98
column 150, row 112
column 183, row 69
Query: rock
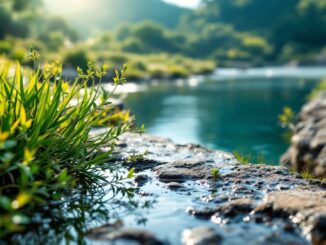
column 305, row 208
column 171, row 174
column 161, row 151
column 308, row 143
column 316, row 227
column 248, row 204
column 205, row 213
column 295, row 201
column 201, row 236
column 142, row 237
column 99, row 232
column 236, row 207
column 141, row 179
column 175, row 186
column 229, row 210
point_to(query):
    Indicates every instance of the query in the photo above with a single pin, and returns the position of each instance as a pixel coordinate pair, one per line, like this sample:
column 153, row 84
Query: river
column 232, row 110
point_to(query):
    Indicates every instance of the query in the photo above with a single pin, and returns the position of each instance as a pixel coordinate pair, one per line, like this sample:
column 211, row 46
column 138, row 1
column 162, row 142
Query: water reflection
column 187, row 116
column 65, row 221
column 70, row 220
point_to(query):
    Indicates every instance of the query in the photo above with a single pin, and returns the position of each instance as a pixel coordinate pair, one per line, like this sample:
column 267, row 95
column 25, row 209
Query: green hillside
column 107, row 14
column 293, row 27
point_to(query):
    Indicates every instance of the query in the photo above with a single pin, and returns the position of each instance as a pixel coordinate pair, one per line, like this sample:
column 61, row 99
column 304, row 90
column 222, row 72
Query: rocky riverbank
column 233, row 204
column 308, row 144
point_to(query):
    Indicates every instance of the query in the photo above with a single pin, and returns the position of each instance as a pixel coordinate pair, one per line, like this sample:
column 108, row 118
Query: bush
column 47, row 150
column 19, row 54
column 76, row 58
column 176, row 71
column 118, row 59
column 133, row 45
column 53, row 40
column 5, row 47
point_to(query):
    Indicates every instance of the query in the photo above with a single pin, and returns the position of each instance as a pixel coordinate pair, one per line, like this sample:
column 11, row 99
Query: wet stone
column 141, row 179
column 175, row 186
column 236, row 207
column 171, row 174
column 201, row 236
column 139, row 236
column 307, row 208
column 248, row 204
column 99, row 232
column 206, row 213
column 317, row 225
column 308, row 144
column 144, row 194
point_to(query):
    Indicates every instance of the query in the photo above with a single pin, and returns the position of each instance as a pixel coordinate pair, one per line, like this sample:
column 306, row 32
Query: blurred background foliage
column 231, row 33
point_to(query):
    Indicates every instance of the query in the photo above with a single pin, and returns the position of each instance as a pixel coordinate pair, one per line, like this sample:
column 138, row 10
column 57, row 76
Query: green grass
column 246, row 159
column 321, row 86
column 243, row 159
column 47, row 150
column 215, row 172
column 307, row 175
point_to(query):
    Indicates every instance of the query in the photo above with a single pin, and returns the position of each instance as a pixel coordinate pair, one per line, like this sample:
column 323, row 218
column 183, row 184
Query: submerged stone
column 175, row 186
column 201, row 236
column 139, row 236
column 141, row 179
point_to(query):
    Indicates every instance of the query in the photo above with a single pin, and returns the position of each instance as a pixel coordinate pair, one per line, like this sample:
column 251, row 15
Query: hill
column 296, row 29
column 107, row 14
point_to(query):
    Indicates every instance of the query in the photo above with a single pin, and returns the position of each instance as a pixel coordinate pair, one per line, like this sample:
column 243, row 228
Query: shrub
column 47, row 148
column 5, row 47
column 133, row 45
column 118, row 59
column 77, row 58
column 176, row 71
column 18, row 54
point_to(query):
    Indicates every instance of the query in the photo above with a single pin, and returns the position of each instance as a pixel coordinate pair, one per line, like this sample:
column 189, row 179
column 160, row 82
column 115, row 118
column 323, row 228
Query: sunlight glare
column 184, row 3
column 67, row 6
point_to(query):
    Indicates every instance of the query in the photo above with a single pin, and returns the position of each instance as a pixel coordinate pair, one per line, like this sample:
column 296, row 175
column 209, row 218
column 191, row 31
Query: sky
column 184, row 3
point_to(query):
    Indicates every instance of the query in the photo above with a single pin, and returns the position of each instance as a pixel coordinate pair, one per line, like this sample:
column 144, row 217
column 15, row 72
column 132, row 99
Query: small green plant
column 215, row 172
column 287, row 118
column 307, row 175
column 243, row 159
column 319, row 88
column 247, row 159
column 47, row 148
column 135, row 157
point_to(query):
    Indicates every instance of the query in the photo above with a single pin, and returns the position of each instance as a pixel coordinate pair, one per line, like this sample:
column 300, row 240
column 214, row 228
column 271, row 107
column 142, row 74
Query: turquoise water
column 232, row 110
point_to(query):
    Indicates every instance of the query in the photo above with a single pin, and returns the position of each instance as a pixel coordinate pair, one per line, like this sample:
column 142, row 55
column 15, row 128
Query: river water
column 232, row 110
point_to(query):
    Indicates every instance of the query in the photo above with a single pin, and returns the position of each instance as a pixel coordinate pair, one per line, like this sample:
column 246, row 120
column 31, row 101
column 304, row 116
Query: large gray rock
column 308, row 144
